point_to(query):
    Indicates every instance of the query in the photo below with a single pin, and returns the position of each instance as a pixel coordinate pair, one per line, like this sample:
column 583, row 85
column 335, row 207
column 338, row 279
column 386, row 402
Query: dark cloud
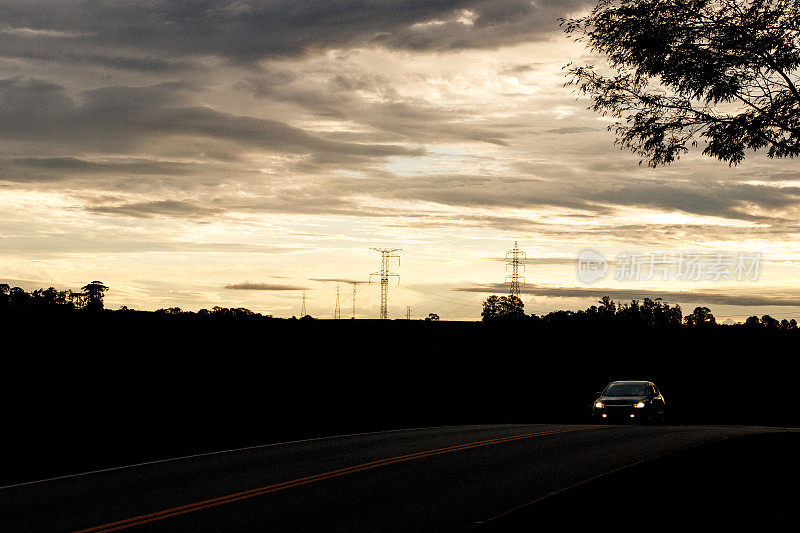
column 574, row 129
column 335, row 280
column 27, row 284
column 144, row 65
column 33, row 168
column 61, row 244
column 69, row 163
column 248, row 286
column 138, row 64
column 156, row 208
column 246, row 30
column 768, row 206
column 519, row 69
column 414, row 120
column 540, row 261
column 310, row 200
column 700, row 297
column 732, row 200
column 121, row 119
column 722, row 199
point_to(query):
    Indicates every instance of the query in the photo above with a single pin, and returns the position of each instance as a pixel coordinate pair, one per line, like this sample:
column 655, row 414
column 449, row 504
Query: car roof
column 631, row 381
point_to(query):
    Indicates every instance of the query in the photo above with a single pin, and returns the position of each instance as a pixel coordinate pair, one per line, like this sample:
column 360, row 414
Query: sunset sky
column 238, row 153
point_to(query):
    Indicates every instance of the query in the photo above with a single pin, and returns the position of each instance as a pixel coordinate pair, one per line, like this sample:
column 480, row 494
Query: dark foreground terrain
column 746, row 483
column 440, row 479
column 82, row 392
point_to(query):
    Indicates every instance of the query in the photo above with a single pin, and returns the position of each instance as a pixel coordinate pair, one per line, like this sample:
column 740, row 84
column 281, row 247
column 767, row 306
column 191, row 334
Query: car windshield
column 626, row 389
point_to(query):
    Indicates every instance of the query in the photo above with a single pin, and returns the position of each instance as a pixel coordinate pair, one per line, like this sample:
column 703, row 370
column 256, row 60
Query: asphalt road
column 436, row 479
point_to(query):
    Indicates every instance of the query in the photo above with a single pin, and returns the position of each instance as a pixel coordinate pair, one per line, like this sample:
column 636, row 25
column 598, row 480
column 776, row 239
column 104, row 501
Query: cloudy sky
column 241, row 152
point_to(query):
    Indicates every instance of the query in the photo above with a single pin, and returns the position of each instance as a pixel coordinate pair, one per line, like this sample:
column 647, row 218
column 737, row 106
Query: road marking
column 220, row 452
column 214, row 502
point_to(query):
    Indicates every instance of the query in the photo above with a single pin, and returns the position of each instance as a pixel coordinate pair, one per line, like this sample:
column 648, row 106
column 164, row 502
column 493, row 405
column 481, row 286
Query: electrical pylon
column 303, row 307
column 515, row 258
column 355, row 285
column 385, row 274
column 338, row 313
column 408, row 312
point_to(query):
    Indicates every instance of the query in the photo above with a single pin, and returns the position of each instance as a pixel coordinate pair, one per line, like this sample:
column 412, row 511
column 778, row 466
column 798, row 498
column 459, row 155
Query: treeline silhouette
column 85, row 388
column 51, row 299
column 647, row 313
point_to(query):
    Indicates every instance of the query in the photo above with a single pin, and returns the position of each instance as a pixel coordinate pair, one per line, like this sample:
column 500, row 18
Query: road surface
column 433, row 479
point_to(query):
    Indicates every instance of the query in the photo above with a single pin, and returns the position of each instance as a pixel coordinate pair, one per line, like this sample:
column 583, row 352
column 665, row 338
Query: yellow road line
column 214, row 502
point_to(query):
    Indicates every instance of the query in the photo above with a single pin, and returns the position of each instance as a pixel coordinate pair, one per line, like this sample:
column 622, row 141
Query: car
column 630, row 401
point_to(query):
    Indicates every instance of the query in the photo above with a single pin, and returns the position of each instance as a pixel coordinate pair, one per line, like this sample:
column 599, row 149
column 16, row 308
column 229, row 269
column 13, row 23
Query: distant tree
column 432, row 317
column 723, row 73
column 502, row 308
column 5, row 292
column 170, row 311
column 648, row 313
column 769, row 322
column 630, row 312
column 491, row 308
column 753, row 322
column 652, row 312
column 511, row 308
column 793, row 324
column 77, row 299
column 607, row 307
column 784, row 324
column 235, row 313
column 18, row 298
column 94, row 292
column 622, row 308
column 241, row 312
column 559, row 317
column 658, row 313
column 51, row 298
column 673, row 315
column 701, row 316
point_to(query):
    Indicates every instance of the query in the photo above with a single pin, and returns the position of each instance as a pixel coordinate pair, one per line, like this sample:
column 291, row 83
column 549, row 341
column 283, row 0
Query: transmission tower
column 338, row 313
column 385, row 274
column 515, row 258
column 355, row 285
column 408, row 312
column 303, row 307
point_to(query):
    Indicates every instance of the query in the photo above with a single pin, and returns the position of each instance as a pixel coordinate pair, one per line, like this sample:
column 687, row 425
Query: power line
column 385, row 274
column 440, row 306
column 461, row 301
column 514, row 258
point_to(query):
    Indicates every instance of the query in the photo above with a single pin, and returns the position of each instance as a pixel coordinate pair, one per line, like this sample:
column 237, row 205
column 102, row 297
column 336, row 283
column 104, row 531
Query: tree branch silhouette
column 679, row 73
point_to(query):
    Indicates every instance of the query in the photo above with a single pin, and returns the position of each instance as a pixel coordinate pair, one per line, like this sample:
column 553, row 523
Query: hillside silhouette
column 87, row 388
column 648, row 313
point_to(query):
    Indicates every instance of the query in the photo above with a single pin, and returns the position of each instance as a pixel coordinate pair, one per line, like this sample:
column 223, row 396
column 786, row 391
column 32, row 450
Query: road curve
column 430, row 479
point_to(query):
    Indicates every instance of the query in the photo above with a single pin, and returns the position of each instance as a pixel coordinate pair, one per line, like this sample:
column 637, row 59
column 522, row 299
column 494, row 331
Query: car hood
column 622, row 399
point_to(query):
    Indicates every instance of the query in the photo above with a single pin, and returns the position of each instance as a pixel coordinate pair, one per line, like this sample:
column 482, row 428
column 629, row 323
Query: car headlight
column 599, row 405
column 639, row 405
